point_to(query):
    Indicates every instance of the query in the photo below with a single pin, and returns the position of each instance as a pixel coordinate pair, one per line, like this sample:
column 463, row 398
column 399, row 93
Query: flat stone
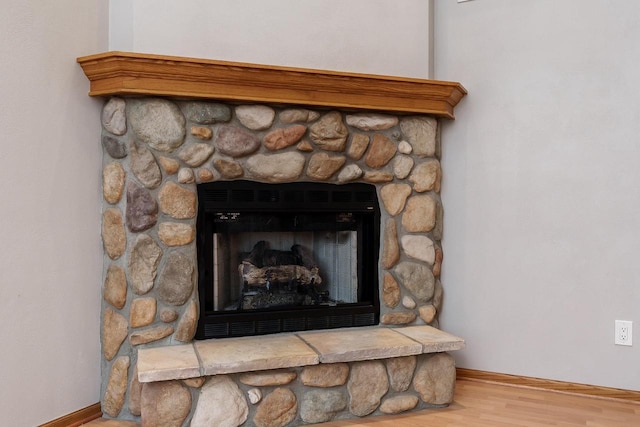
column 433, row 340
column 277, row 409
column 113, row 116
column 254, row 395
column 230, row 355
column 402, row 166
column 417, row 278
column 329, row 133
column 322, row 166
column 114, row 332
column 408, row 302
column 427, row 313
column 142, row 208
column 420, row 214
column 390, row 246
column 116, row 387
column 186, row 176
column 381, row 151
column 165, row 404
column 143, row 264
column 319, row 406
column 354, row 344
column 390, row 291
column 255, row 117
column 144, row 166
column 114, row 237
column 426, row 176
column 350, row 173
column 205, row 175
column 275, row 168
column 359, row 145
column 176, row 280
column 298, row 115
column 228, row 168
column 398, row 318
column 150, row 335
column 196, row 153
column 304, row 146
column 404, row 147
column 401, row 371
column 188, row 323
column 194, row 382
column 115, row 286
column 157, row 122
column 419, row 247
column 201, row 132
column 142, row 312
column 176, row 233
column 368, row 122
column 420, row 132
column 168, row 315
column 378, row 177
column 284, row 137
column 398, row 404
column 236, row 142
column 435, row 379
column 367, row 384
column 114, row 147
column 169, row 165
column 221, row 404
column 394, row 197
column 177, row 202
column 268, row 378
column 167, row 363
column 113, row 176
column 135, row 393
column 325, row 375
column 206, row 113
column 437, row 265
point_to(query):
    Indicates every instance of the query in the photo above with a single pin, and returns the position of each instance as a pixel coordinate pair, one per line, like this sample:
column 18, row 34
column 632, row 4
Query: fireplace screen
column 286, row 257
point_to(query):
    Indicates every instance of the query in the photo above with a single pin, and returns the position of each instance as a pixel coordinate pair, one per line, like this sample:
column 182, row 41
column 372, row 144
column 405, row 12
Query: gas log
column 263, row 266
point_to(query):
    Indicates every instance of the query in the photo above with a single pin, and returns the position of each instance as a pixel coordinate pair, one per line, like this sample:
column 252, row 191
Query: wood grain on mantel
column 134, row 74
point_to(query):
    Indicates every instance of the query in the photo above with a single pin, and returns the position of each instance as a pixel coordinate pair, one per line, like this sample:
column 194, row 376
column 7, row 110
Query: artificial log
column 260, row 276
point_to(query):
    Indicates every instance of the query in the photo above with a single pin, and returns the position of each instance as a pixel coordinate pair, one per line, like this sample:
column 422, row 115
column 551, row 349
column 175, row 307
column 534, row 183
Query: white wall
column 366, row 36
column 542, row 186
column 50, row 259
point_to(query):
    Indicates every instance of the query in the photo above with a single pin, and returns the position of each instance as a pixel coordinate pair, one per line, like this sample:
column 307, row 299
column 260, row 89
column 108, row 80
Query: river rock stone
column 205, row 175
column 329, row 133
column 196, row 153
column 254, row 395
column 319, row 406
column 142, row 312
column 390, row 246
column 398, row 404
column 152, row 334
column 168, row 315
column 402, row 166
column 186, row 329
column 408, row 302
column 435, row 379
column 116, row 387
column 359, row 145
column 394, row 197
column 427, row 313
column 113, row 182
column 437, row 296
column 228, row 168
column 381, row 152
column 420, row 214
column 390, row 291
column 400, row 371
column 201, row 132
column 371, row 121
column 194, row 382
column 420, row 132
column 377, row 177
column 165, row 404
column 114, row 332
column 144, row 166
column 143, row 264
column 236, row 142
column 284, row 137
column 305, row 146
column 367, row 384
column 325, row 375
column 142, row 208
column 206, row 113
column 437, row 265
column 114, row 238
column 175, row 283
column 277, row 409
column 419, row 247
column 322, row 166
column 157, row 122
column 404, row 147
column 168, row 165
column 349, row 173
column 417, row 278
column 398, row 318
column 274, row 168
column 220, row 404
column 177, row 202
column 114, row 147
column 255, row 117
column 268, row 378
column 426, row 176
column 113, row 116
column 135, row 393
column 115, row 286
column 298, row 115
column 176, row 233
column 186, row 176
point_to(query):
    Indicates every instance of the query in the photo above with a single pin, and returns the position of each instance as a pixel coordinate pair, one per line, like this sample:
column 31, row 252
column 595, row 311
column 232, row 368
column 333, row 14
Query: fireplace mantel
column 135, row 74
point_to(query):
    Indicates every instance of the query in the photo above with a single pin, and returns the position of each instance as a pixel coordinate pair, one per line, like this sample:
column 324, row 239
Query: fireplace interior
column 286, row 257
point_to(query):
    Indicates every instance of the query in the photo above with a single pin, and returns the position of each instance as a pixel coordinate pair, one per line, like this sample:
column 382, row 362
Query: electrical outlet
column 624, row 332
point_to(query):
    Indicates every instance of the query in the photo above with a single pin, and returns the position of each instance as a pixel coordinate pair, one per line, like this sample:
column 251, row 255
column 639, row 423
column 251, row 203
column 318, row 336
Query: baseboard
column 77, row 418
column 549, row 385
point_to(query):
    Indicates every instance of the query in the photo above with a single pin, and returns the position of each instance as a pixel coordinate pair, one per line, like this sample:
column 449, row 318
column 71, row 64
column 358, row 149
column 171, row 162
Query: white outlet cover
column 621, row 325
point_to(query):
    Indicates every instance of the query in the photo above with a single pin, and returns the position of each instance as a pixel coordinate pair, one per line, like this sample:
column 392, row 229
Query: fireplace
column 286, row 257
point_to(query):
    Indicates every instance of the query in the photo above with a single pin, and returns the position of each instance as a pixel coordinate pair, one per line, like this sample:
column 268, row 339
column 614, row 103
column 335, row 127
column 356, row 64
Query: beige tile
column 350, row 345
column 433, row 340
column 103, row 422
column 167, row 363
column 229, row 355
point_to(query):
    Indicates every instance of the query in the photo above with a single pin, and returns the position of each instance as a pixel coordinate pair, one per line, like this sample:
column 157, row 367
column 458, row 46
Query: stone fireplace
column 177, row 133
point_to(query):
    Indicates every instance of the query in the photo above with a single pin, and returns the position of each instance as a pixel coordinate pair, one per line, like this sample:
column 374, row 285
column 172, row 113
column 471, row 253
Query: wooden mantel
column 134, row 74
